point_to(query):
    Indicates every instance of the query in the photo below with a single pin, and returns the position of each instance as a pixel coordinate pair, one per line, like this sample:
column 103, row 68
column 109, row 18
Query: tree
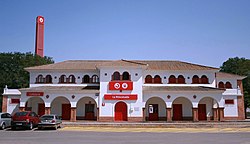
column 240, row 66
column 12, row 71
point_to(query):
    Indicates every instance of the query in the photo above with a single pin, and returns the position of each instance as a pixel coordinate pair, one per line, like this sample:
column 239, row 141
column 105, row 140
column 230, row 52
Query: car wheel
column 13, row 128
column 31, row 126
column 3, row 126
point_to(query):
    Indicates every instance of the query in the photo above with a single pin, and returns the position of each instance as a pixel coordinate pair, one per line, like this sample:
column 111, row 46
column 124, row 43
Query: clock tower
column 39, row 47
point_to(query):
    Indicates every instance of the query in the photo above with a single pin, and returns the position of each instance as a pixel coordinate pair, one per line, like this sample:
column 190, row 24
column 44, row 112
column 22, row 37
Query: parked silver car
column 5, row 120
column 50, row 121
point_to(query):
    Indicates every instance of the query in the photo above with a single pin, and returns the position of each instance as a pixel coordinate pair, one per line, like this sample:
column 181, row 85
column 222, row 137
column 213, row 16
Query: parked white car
column 5, row 120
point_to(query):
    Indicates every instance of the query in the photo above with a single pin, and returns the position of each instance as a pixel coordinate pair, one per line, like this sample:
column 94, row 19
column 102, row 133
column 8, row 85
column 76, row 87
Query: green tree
column 240, row 66
column 12, row 71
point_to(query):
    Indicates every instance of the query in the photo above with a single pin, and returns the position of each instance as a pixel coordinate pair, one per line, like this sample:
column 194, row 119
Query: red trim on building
column 120, row 97
column 120, row 85
column 15, row 101
column 229, row 101
column 34, row 93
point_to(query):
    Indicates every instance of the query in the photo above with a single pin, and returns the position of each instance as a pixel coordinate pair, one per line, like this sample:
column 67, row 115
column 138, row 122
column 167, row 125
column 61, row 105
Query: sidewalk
column 160, row 124
column 157, row 130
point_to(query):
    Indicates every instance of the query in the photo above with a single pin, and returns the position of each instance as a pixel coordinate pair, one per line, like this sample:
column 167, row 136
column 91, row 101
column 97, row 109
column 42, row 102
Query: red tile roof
column 149, row 64
column 228, row 75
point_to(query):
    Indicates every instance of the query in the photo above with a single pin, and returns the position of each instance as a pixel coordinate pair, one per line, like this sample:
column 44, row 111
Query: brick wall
column 4, row 104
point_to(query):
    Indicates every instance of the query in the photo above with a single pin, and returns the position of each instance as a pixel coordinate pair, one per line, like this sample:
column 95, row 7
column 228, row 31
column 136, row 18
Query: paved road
column 83, row 137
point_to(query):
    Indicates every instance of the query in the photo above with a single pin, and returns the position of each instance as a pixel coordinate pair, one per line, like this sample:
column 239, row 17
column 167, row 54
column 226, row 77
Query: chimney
column 39, row 48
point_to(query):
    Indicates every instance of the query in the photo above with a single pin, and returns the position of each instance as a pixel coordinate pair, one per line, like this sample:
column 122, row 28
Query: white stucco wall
column 12, row 108
column 231, row 110
column 134, row 106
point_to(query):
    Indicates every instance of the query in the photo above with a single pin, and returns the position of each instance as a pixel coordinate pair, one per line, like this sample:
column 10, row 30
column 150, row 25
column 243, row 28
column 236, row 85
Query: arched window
column 148, row 79
column 181, row 79
column 40, row 79
column 172, row 79
column 95, row 79
column 62, row 79
column 116, row 76
column 125, row 76
column 157, row 79
column 204, row 79
column 86, row 79
column 195, row 79
column 72, row 79
column 228, row 85
column 48, row 79
column 221, row 85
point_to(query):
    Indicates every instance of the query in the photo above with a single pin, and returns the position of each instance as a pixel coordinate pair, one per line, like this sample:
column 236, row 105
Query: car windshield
column 21, row 113
column 47, row 117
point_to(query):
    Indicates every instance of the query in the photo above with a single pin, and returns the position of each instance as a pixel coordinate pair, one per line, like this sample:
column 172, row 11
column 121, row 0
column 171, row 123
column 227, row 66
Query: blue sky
column 206, row 32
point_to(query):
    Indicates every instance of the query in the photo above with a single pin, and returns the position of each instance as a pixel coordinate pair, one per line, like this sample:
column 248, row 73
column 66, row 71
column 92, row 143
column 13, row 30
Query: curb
column 161, row 125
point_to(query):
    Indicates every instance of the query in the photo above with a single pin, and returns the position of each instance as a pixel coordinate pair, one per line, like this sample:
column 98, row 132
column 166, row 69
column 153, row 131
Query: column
column 221, row 114
column 215, row 114
column 144, row 114
column 97, row 114
column 47, row 110
column 195, row 114
column 4, row 103
column 169, row 114
column 73, row 114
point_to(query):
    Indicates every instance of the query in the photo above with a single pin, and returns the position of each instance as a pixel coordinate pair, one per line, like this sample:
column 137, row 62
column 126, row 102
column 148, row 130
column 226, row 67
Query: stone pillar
column 97, row 114
column 221, row 114
column 73, row 114
column 240, row 102
column 144, row 114
column 215, row 114
column 4, row 103
column 241, row 108
column 21, row 109
column 169, row 114
column 47, row 110
column 195, row 114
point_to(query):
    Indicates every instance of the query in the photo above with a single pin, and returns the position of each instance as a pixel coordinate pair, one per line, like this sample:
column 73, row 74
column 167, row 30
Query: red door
column 121, row 111
column 153, row 112
column 89, row 111
column 177, row 111
column 41, row 109
column 66, row 111
column 202, row 112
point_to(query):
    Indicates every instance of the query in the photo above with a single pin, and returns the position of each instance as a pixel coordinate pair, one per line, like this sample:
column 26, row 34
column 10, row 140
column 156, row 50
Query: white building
column 125, row 90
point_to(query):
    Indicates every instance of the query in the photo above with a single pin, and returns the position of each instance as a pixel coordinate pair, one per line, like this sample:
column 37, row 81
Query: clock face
column 41, row 20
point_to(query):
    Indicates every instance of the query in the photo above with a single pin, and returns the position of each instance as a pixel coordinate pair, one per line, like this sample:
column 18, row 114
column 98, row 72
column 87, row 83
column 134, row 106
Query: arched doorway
column 61, row 106
column 205, row 108
column 35, row 104
column 155, row 109
column 121, row 112
column 182, row 109
column 86, row 109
